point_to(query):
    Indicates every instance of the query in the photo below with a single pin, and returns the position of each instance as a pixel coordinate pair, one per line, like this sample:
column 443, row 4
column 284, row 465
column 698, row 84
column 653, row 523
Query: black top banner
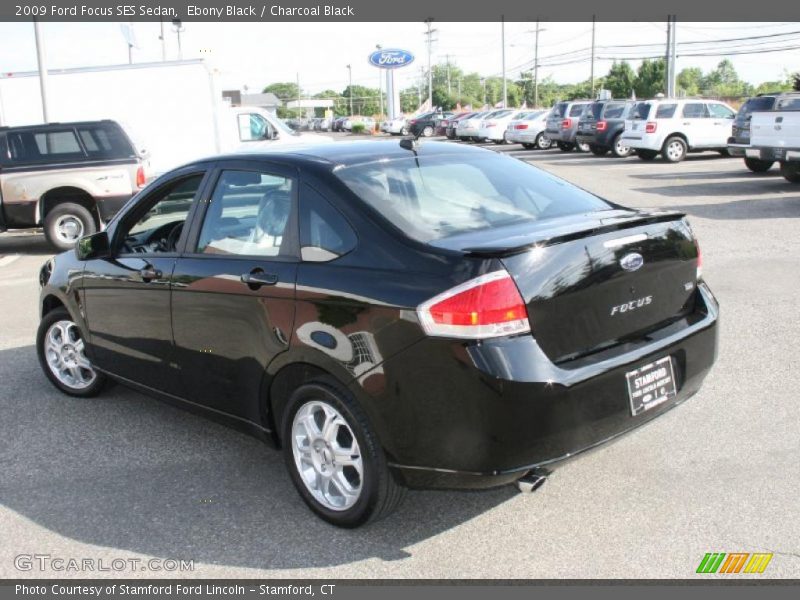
column 405, row 11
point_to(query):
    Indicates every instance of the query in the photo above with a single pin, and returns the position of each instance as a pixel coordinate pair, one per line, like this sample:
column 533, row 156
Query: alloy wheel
column 327, row 455
column 66, row 358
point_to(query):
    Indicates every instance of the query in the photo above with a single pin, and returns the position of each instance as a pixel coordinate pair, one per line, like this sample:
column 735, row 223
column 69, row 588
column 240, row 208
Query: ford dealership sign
column 391, row 58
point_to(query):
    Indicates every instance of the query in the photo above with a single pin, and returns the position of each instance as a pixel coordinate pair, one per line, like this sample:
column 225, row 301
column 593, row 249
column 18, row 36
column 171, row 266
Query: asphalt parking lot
column 124, row 476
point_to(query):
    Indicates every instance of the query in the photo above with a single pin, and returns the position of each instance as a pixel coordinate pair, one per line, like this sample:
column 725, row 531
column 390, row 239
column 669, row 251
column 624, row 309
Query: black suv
column 601, row 127
column 740, row 136
column 69, row 178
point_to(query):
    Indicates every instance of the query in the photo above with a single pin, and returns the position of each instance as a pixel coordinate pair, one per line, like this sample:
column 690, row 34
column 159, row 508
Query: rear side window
column 788, row 104
column 577, row 110
column 613, row 110
column 438, row 196
column 666, row 111
column 324, row 232
column 694, row 110
column 105, row 142
column 40, row 146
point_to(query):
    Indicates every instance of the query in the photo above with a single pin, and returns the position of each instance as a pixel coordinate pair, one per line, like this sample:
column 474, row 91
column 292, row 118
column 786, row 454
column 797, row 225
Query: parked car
column 324, row 124
column 673, row 127
column 428, row 315
column 425, row 124
column 775, row 136
column 467, row 129
column 69, row 178
column 395, row 126
column 493, row 126
column 601, row 127
column 528, row 129
column 562, row 124
column 452, row 123
column 739, row 142
column 338, row 124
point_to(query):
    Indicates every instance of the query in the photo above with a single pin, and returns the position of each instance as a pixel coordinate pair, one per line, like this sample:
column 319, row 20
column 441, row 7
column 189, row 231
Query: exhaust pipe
column 532, row 480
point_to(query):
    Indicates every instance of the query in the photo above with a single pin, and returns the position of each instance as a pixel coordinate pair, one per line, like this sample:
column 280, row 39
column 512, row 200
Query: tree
column 285, row 91
column 650, row 78
column 724, row 82
column 690, row 81
column 621, row 80
column 365, row 100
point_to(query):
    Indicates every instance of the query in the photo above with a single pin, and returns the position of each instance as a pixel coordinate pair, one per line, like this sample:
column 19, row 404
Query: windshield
column 437, row 196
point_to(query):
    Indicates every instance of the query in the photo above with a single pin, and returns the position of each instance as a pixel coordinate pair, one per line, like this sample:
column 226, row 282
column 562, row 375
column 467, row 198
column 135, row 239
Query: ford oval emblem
column 391, row 58
column 632, row 261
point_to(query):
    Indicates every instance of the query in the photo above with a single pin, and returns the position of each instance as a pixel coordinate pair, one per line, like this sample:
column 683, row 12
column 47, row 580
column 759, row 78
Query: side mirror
column 93, row 246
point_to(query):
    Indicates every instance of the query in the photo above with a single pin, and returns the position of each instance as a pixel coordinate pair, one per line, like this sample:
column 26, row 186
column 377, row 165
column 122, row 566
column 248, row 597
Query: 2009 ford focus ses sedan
column 391, row 315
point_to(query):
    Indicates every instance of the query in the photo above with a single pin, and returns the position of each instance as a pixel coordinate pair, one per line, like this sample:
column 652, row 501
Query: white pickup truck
column 775, row 136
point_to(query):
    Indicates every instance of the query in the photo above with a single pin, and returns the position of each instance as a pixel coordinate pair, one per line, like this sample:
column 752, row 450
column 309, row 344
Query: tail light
column 602, row 125
column 484, row 307
column 566, row 123
column 412, row 121
column 650, row 127
column 521, row 126
column 140, row 178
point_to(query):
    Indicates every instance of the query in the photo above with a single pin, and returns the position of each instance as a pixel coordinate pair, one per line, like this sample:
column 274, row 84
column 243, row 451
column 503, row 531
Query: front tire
column 791, row 171
column 62, row 356
column 335, row 461
column 646, row 155
column 66, row 223
column 674, row 150
column 427, row 131
column 758, row 166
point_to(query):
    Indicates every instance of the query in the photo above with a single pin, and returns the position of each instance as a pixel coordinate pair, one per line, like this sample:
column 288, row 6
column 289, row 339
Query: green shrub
column 359, row 128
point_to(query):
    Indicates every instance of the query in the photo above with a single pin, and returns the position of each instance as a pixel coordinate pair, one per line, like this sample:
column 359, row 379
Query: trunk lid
column 598, row 280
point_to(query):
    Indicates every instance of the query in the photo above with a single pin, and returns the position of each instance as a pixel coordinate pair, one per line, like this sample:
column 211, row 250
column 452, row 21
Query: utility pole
column 429, row 34
column 674, row 57
column 449, row 90
column 667, row 56
column 503, row 42
column 350, row 87
column 459, row 89
column 163, row 41
column 177, row 25
column 536, row 67
column 41, row 59
column 380, row 82
column 594, row 23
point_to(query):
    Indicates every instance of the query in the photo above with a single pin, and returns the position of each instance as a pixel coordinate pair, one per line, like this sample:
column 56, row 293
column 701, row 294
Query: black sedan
column 392, row 315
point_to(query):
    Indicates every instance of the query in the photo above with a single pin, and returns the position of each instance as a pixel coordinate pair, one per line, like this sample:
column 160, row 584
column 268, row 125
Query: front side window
column 720, row 111
column 433, row 197
column 788, row 104
column 158, row 223
column 253, row 127
column 248, row 215
column 105, row 142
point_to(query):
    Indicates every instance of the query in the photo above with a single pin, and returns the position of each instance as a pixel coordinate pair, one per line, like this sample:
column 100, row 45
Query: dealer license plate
column 650, row 385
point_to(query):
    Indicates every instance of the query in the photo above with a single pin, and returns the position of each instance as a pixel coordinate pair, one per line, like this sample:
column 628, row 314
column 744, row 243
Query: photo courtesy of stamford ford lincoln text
column 423, row 299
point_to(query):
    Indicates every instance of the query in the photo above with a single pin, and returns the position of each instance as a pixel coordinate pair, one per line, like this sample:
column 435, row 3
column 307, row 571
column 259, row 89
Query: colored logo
column 734, row 562
column 391, row 58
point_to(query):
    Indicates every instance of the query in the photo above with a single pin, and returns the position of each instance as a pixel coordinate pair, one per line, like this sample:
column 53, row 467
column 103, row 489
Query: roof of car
column 354, row 152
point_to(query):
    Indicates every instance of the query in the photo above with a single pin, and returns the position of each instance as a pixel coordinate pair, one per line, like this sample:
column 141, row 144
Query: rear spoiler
column 568, row 234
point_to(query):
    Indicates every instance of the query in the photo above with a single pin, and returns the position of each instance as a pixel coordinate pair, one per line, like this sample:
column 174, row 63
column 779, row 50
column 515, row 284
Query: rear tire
column 66, row 223
column 758, row 166
column 582, row 147
column 528, row 146
column 61, row 353
column 311, row 457
column 791, row 171
column 674, row 150
column 565, row 146
column 619, row 149
column 598, row 150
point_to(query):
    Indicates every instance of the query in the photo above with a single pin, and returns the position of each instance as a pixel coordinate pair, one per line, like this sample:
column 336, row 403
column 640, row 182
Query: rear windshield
column 613, row 110
column 641, row 110
column 757, row 104
column 576, row 110
column 434, row 197
column 559, row 110
column 532, row 115
column 595, row 110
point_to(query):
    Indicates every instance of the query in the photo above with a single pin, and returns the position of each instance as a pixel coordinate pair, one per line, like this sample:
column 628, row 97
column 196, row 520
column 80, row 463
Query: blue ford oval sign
column 391, row 58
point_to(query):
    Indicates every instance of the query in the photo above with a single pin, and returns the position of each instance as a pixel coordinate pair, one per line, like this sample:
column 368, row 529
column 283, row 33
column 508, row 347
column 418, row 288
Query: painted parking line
column 7, row 260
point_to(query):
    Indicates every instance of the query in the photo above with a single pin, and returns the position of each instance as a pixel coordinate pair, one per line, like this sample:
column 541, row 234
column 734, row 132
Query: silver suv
column 562, row 124
column 69, row 178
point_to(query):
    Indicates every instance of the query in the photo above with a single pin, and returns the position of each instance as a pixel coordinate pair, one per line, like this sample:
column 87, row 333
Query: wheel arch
column 66, row 193
column 676, row 134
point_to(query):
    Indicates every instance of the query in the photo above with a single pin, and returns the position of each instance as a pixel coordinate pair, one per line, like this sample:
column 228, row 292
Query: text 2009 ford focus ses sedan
column 392, row 315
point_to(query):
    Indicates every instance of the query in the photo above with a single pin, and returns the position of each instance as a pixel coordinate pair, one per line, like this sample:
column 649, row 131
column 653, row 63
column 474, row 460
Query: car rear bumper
column 772, row 153
column 642, row 141
column 481, row 415
column 521, row 136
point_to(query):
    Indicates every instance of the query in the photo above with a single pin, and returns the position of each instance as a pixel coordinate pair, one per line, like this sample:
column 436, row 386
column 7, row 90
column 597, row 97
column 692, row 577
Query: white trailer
column 172, row 111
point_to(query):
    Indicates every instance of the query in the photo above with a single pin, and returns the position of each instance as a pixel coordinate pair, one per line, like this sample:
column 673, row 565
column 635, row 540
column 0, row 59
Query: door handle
column 148, row 273
column 255, row 279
